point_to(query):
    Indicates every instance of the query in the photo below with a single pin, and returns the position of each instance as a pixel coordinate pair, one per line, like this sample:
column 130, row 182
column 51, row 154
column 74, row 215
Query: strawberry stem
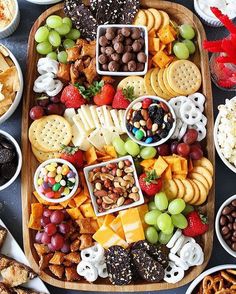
column 129, row 93
column 151, row 177
column 69, row 149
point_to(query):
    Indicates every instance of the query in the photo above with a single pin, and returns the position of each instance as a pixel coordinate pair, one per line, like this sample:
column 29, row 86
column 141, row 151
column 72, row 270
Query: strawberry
column 72, row 97
column 123, row 97
column 197, row 224
column 149, row 183
column 73, row 155
column 103, row 94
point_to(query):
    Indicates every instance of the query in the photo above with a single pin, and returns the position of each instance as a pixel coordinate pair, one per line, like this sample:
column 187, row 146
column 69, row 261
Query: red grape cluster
column 47, row 105
column 56, row 226
column 188, row 148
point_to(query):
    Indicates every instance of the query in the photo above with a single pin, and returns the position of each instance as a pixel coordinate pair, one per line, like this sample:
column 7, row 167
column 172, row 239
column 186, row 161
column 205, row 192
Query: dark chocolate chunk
column 128, row 11
column 118, row 265
column 8, row 170
column 159, row 253
column 148, row 268
column 107, row 11
column 6, row 155
column 144, row 245
column 70, row 5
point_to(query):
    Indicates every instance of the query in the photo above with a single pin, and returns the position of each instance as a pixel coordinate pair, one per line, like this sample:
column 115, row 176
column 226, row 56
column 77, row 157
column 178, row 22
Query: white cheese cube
column 109, row 135
column 107, row 116
column 121, row 114
column 101, row 116
column 83, row 120
column 95, row 116
column 77, row 121
column 79, row 139
column 68, row 114
column 96, row 138
column 115, row 117
column 88, row 116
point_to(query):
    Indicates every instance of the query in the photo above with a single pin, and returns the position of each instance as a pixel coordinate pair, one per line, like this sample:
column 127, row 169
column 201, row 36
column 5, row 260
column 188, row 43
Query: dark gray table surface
column 10, row 199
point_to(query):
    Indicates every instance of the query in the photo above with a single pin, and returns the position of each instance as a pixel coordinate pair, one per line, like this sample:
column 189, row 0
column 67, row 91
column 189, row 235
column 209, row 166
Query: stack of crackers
column 9, row 81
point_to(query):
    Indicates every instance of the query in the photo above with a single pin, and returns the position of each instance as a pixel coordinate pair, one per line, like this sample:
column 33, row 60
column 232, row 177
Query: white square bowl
column 101, row 29
column 90, row 187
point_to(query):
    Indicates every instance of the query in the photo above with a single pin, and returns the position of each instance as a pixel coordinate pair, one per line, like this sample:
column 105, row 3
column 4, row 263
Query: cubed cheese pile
column 95, row 126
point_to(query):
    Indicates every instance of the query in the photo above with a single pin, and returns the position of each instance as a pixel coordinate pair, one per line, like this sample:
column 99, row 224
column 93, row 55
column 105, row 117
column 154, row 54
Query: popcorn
column 226, row 135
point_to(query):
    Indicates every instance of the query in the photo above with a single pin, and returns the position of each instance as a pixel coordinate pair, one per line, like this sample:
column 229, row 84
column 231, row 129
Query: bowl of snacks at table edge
column 150, row 121
column 219, row 279
column 10, row 160
column 225, row 225
column 224, row 133
column 56, row 180
column 122, row 50
column 11, row 83
column 113, row 185
column 10, row 17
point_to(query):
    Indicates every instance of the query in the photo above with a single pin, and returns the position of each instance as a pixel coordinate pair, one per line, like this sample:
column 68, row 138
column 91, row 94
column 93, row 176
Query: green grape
column 150, row 217
column 176, row 206
column 152, row 205
column 67, row 21
column 73, row 34
column 190, row 45
column 164, row 238
column 179, row 221
column 41, row 34
column 151, row 235
column 62, row 57
column 119, row 145
column 161, row 201
column 52, row 55
column 54, row 38
column 68, row 43
column 63, row 29
column 188, row 208
column 169, row 230
column 148, row 152
column 164, row 221
column 181, row 50
column 54, row 21
column 132, row 148
column 186, row 31
column 44, row 48
column 156, row 227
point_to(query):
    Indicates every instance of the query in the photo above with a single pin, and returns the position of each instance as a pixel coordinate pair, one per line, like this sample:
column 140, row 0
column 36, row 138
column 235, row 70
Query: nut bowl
column 61, row 162
column 154, row 98
column 89, row 169
column 19, row 155
column 218, row 230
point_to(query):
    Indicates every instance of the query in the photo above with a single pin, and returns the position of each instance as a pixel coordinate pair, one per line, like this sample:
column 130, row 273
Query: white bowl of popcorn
column 225, row 133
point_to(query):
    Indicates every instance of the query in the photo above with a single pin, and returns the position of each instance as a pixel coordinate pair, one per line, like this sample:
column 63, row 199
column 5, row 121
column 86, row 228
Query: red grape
column 173, row 147
column 57, row 241
column 195, row 153
column 42, row 101
column 183, row 149
column 163, row 150
column 57, row 217
column 64, row 228
column 146, row 103
column 51, row 248
column 44, row 221
column 197, row 144
column 55, row 109
column 36, row 112
column 47, row 212
column 38, row 237
column 56, row 99
column 66, row 247
column 50, row 229
column 66, row 215
column 45, row 238
column 190, row 136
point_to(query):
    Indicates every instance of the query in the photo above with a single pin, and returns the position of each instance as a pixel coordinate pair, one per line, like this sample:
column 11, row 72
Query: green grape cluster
column 56, row 36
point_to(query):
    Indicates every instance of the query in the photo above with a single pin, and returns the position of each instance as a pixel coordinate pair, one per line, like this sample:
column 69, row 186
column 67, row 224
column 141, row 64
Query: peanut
column 128, row 170
column 98, row 186
column 120, row 201
column 107, row 200
column 134, row 196
column 121, row 164
column 134, row 189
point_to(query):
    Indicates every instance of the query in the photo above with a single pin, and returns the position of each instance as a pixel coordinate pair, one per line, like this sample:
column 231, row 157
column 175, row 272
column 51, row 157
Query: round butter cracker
column 161, row 82
column 165, row 81
column 32, row 135
column 157, row 17
column 147, row 83
column 155, row 85
column 43, row 156
column 150, row 19
column 133, row 81
column 140, row 18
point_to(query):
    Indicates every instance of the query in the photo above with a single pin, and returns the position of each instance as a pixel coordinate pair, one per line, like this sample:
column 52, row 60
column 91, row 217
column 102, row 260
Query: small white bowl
column 12, row 26
column 17, row 99
column 90, row 187
column 217, row 227
column 44, row 2
column 225, row 161
column 58, row 160
column 132, row 137
column 19, row 154
column 210, row 271
column 101, row 29
column 210, row 21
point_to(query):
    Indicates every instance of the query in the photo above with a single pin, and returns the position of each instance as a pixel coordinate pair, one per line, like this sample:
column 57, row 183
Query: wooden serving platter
column 180, row 14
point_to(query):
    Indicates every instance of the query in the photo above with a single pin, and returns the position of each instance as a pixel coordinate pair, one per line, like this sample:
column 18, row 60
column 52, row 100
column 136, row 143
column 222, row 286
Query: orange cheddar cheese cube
column 41, row 200
column 75, row 213
column 160, row 166
column 166, row 35
column 35, row 216
column 152, row 33
column 174, row 162
column 161, row 59
column 108, row 219
column 167, row 175
column 147, row 163
column 116, row 226
column 80, row 199
column 100, row 220
column 94, row 225
column 132, row 225
column 107, row 238
column 142, row 210
column 87, row 210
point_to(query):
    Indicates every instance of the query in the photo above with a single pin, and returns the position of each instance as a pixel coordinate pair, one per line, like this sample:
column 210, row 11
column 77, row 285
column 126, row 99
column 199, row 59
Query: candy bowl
column 113, row 185
column 225, row 225
column 56, row 180
column 150, row 121
column 10, row 160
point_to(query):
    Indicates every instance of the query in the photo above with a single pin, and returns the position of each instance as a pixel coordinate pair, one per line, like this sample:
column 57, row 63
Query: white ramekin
column 10, row 29
column 19, row 154
column 16, row 102
column 44, row 2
